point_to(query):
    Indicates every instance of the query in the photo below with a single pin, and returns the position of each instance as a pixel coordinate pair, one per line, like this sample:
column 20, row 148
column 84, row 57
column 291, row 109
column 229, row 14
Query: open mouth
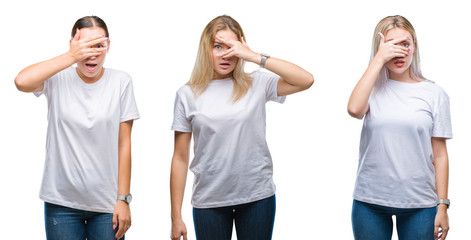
column 399, row 63
column 91, row 67
column 225, row 65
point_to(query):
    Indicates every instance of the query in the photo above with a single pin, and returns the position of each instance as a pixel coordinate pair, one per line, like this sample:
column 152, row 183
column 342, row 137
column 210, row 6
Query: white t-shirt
column 81, row 168
column 232, row 164
column 396, row 157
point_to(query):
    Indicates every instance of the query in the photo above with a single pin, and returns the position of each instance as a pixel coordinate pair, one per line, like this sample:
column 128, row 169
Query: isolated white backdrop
column 314, row 143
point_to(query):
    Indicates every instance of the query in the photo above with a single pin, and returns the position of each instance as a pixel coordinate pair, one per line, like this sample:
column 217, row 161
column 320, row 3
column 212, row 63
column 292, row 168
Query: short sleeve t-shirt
column 396, row 157
column 81, row 168
column 232, row 163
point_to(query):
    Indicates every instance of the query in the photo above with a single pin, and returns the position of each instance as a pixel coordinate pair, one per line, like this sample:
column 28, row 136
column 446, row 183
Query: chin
column 88, row 74
column 397, row 71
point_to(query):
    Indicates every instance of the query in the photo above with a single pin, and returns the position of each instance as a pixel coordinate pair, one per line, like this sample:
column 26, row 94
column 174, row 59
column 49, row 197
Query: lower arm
column 177, row 187
column 35, row 75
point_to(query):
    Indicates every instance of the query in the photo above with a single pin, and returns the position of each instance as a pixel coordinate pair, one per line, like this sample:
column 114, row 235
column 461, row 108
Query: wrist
column 69, row 58
column 255, row 58
column 176, row 215
column 176, row 218
column 379, row 61
column 443, row 203
column 442, row 209
column 264, row 57
column 125, row 198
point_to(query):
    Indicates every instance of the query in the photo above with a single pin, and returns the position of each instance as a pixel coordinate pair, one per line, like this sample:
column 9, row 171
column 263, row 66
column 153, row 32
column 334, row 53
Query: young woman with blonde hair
column 87, row 174
column 403, row 166
column 224, row 109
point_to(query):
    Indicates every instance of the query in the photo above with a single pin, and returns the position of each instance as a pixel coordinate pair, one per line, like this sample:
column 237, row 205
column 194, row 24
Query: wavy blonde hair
column 203, row 71
column 383, row 27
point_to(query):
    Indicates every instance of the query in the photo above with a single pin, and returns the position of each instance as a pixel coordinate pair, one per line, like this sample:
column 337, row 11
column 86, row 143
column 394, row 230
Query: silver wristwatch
column 444, row 201
column 126, row 198
column 264, row 59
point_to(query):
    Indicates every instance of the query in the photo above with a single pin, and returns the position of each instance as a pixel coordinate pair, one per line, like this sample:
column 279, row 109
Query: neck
column 402, row 77
column 90, row 79
column 217, row 76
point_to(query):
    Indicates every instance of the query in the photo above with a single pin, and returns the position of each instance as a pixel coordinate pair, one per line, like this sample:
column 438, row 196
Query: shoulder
column 435, row 89
column 185, row 92
column 119, row 79
column 185, row 89
column 118, row 74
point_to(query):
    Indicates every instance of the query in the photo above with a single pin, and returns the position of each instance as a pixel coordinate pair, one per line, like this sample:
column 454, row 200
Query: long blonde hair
column 383, row 27
column 203, row 70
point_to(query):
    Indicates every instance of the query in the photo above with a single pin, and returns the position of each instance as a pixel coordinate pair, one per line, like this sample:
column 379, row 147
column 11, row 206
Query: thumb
column 115, row 220
column 382, row 37
column 77, row 35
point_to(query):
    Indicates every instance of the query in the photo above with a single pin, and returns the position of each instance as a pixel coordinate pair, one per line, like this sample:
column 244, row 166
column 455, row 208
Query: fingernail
column 114, row 227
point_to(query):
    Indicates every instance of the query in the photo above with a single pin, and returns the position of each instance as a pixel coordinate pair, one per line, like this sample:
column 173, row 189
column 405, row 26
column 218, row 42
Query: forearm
column 291, row 73
column 124, row 170
column 124, row 158
column 32, row 78
column 358, row 102
column 441, row 177
column 179, row 171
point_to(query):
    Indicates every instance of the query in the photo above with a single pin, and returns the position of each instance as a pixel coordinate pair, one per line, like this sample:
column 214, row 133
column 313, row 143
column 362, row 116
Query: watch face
column 129, row 198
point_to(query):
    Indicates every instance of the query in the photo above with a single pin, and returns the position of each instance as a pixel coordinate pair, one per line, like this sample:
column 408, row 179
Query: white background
column 314, row 142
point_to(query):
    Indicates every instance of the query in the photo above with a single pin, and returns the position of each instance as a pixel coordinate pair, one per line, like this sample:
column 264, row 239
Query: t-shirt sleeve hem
column 129, row 117
column 180, row 128
column 443, row 135
column 280, row 99
column 39, row 93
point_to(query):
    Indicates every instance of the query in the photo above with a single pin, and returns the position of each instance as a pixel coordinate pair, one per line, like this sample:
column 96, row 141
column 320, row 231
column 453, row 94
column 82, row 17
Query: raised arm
column 358, row 103
column 293, row 78
column 178, row 175
column 32, row 78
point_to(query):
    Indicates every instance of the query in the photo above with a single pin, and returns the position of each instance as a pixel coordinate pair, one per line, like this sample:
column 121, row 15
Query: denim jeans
column 253, row 221
column 63, row 223
column 374, row 222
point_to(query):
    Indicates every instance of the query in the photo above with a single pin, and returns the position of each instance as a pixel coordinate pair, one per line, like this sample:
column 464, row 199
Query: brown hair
column 90, row 21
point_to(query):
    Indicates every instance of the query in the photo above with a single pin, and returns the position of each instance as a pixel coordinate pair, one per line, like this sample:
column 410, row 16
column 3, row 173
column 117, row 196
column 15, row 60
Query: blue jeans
column 374, row 222
column 253, row 221
column 63, row 223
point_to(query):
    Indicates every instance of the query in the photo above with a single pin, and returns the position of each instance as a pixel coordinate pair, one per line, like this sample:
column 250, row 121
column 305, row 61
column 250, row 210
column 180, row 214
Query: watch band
column 444, row 201
column 126, row 198
column 264, row 59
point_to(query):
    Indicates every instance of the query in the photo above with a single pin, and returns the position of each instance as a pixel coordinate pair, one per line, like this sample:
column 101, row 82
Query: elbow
column 19, row 83
column 355, row 112
column 308, row 81
column 22, row 84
